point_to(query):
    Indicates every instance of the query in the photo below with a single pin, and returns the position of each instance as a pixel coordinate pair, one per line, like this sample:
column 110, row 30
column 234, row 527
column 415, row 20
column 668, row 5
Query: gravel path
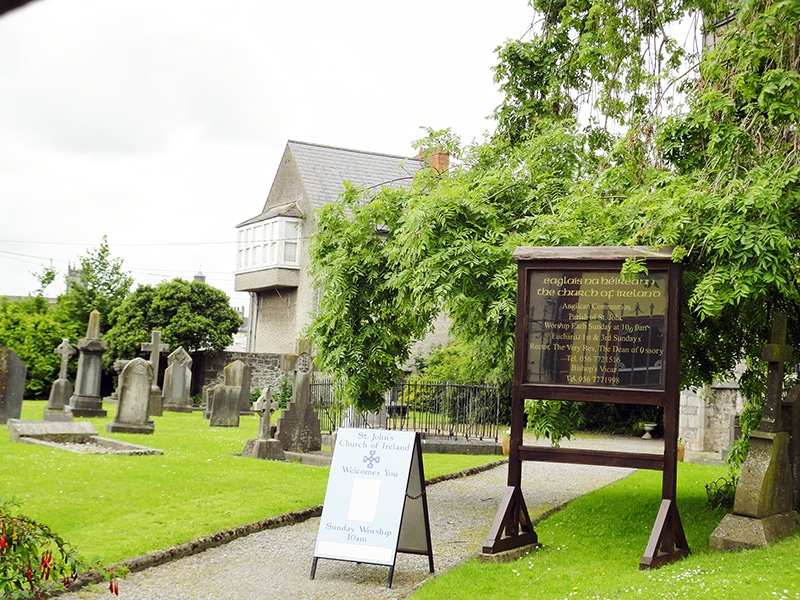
column 277, row 562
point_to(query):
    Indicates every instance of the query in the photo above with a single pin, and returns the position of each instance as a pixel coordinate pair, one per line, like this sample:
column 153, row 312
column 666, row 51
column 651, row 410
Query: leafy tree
column 718, row 181
column 192, row 314
column 101, row 284
column 32, row 329
column 363, row 328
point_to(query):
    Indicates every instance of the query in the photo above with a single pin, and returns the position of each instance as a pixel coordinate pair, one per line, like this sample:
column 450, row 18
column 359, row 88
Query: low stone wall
column 707, row 417
column 265, row 369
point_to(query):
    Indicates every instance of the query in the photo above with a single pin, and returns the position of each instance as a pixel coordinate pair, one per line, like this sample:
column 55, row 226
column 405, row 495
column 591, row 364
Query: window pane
column 290, row 252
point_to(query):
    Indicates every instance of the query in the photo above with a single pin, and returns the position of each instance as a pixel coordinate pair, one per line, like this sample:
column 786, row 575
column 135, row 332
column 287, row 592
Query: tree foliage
column 363, row 327
column 611, row 133
column 192, row 314
column 32, row 328
column 101, row 284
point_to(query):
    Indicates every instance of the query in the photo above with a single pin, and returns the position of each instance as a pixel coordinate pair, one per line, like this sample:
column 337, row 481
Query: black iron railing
column 434, row 408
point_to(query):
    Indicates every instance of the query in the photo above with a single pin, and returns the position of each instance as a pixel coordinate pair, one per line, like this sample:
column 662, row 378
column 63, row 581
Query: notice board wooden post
column 586, row 334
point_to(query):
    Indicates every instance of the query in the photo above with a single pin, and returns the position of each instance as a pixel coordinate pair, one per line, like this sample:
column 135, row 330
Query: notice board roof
column 591, row 252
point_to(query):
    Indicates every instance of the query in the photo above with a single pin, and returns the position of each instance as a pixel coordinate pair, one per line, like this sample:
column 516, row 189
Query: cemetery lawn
column 592, row 547
column 116, row 507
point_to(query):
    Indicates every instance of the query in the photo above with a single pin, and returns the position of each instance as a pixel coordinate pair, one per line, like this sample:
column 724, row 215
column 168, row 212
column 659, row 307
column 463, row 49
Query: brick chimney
column 438, row 159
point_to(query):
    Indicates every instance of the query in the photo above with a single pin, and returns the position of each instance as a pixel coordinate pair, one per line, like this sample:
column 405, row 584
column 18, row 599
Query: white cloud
column 163, row 122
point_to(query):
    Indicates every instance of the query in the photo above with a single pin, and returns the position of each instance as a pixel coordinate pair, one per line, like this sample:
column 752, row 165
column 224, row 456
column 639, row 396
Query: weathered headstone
column 208, row 398
column 12, row 384
column 763, row 505
column 155, row 347
column 117, row 365
column 264, row 446
column 225, row 408
column 86, row 401
column 237, row 373
column 178, row 382
column 61, row 390
column 299, row 428
column 134, row 399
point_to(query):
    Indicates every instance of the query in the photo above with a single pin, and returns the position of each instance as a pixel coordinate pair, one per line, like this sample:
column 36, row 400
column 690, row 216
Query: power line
column 110, row 244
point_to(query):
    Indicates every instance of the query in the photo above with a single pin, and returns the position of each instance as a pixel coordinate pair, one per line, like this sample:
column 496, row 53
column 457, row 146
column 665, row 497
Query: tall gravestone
column 225, row 408
column 134, row 399
column 12, row 384
column 155, row 347
column 61, row 390
column 298, row 428
column 178, row 382
column 86, row 401
column 237, row 374
column 763, row 508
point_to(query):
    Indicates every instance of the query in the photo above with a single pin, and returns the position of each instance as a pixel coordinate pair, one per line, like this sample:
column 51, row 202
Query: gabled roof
column 323, row 169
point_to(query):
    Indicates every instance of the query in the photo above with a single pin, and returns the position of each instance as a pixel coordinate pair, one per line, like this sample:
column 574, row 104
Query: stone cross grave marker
column 61, row 390
column 65, row 350
column 263, row 446
column 762, row 507
column 155, row 347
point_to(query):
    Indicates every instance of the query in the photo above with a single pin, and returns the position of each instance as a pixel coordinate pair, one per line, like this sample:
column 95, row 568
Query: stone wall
column 707, row 416
column 265, row 369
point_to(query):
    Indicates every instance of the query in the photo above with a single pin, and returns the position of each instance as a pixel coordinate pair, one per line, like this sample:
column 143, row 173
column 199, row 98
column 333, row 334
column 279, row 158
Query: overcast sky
column 161, row 123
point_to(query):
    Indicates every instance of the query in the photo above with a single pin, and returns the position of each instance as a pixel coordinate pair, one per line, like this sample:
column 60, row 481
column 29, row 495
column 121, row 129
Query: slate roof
column 324, row 168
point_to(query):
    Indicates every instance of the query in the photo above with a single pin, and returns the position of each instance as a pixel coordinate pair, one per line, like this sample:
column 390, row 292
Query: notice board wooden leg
column 667, row 540
column 512, row 527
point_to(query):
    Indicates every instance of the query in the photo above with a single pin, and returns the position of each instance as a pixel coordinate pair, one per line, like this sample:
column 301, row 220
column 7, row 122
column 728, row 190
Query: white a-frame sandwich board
column 375, row 503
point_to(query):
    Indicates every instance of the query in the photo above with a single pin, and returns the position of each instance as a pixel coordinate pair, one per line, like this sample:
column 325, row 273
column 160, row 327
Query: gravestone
column 117, row 365
column 225, row 408
column 763, row 505
column 61, row 390
column 12, row 384
column 208, row 398
column 134, row 399
column 178, row 382
column 86, row 401
column 155, row 347
column 237, row 373
column 298, row 427
column 264, row 446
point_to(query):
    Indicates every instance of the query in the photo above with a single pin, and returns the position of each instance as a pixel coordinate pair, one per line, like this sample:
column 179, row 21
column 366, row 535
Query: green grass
column 116, row 507
column 592, row 548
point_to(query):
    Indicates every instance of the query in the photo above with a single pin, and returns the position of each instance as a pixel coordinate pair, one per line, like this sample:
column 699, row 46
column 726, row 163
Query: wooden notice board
column 375, row 504
column 585, row 333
